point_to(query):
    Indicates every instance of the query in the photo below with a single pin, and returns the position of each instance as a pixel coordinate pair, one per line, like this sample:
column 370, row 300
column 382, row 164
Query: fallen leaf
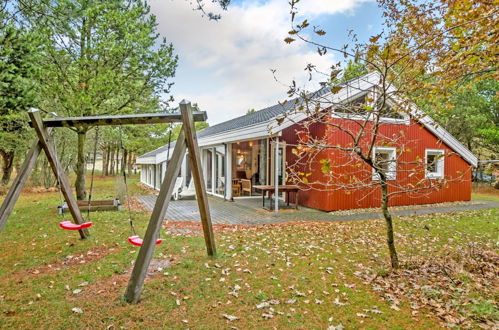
column 230, row 317
column 77, row 310
column 264, row 304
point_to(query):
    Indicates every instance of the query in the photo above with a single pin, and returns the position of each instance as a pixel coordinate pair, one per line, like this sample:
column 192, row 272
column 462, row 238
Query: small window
column 389, row 112
column 385, row 160
column 434, row 159
column 357, row 106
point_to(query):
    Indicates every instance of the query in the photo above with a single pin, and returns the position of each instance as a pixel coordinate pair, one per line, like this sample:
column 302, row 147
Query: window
column 434, row 160
column 357, row 106
column 385, row 160
column 389, row 112
column 366, row 105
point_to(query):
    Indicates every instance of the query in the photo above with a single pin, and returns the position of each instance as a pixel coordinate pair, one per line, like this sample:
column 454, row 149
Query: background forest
column 82, row 58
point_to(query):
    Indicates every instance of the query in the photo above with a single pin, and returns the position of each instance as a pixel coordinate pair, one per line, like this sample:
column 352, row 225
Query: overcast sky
column 225, row 66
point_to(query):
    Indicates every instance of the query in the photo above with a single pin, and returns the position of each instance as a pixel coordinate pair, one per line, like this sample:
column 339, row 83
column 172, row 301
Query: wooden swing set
column 186, row 141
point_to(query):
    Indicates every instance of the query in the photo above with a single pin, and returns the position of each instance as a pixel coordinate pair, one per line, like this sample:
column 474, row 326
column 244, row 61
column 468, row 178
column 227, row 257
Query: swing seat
column 137, row 241
column 68, row 225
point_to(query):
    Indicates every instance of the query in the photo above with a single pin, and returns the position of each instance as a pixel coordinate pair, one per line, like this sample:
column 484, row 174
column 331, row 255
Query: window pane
column 382, row 161
column 431, row 163
column 389, row 112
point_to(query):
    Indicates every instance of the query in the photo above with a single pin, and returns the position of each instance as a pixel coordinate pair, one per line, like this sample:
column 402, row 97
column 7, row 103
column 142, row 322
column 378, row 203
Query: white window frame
column 392, row 168
column 370, row 116
column 439, row 174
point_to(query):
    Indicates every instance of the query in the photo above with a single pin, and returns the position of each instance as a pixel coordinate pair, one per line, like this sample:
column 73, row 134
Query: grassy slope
column 315, row 264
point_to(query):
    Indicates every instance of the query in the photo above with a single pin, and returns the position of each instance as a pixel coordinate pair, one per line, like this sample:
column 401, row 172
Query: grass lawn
column 485, row 192
column 299, row 275
column 485, row 197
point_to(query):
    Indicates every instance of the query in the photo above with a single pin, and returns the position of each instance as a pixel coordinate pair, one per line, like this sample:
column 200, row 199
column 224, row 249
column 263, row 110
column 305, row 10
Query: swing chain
column 93, row 172
column 129, row 207
column 122, row 147
column 58, row 179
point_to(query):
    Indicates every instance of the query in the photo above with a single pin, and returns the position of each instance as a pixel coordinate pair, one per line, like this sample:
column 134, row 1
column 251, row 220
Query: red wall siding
column 416, row 139
column 315, row 198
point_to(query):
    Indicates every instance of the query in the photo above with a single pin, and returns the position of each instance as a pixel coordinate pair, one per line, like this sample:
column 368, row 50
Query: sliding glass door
column 209, row 169
column 220, row 170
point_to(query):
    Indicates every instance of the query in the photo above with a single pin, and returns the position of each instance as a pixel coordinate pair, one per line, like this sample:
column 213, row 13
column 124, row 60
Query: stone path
column 249, row 211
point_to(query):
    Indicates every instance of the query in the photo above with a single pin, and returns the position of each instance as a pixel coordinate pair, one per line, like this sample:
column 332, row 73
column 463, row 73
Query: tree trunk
column 111, row 160
column 130, row 163
column 124, row 160
column 104, row 161
column 108, row 158
column 81, row 167
column 117, row 171
column 389, row 225
column 7, row 165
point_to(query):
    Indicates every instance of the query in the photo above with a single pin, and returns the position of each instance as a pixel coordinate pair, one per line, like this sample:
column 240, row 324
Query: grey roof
column 257, row 117
column 159, row 150
column 254, row 118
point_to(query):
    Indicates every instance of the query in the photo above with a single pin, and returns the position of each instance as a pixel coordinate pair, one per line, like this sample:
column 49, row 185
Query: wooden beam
column 49, row 148
column 197, row 175
column 135, row 119
column 19, row 182
column 136, row 282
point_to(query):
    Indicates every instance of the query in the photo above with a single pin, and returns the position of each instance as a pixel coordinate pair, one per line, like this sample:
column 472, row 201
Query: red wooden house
column 423, row 162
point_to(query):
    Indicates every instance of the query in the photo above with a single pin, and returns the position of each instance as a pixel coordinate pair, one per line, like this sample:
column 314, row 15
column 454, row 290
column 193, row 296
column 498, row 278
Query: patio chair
column 236, row 187
column 246, row 186
column 190, row 192
column 177, row 188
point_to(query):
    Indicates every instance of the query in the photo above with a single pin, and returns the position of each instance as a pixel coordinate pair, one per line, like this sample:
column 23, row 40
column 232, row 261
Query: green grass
column 485, row 197
column 316, row 267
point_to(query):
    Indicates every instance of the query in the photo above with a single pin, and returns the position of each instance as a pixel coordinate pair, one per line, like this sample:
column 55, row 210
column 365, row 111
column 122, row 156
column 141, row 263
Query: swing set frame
column 186, row 141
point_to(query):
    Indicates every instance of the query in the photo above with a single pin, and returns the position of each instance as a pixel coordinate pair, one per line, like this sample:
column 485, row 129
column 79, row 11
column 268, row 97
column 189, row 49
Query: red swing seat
column 137, row 241
column 68, row 225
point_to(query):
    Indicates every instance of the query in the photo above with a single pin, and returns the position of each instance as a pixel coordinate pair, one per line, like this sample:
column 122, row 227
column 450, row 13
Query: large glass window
column 249, row 166
column 249, row 161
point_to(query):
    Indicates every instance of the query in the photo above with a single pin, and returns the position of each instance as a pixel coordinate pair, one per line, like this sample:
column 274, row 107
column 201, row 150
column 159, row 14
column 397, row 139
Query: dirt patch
column 485, row 189
column 112, row 288
column 194, row 228
column 39, row 190
column 443, row 285
column 92, row 255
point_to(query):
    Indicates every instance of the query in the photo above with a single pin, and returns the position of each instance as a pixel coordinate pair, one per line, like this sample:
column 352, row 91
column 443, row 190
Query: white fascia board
column 440, row 132
column 146, row 160
column 448, row 139
column 246, row 133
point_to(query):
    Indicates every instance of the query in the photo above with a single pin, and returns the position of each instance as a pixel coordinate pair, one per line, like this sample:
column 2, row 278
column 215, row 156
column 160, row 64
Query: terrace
column 248, row 211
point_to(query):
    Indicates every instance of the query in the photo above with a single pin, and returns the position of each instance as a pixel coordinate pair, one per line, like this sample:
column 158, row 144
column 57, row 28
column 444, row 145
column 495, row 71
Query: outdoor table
column 271, row 190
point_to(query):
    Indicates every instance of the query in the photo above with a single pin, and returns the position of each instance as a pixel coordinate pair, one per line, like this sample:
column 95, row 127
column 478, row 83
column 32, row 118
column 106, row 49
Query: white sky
column 225, row 65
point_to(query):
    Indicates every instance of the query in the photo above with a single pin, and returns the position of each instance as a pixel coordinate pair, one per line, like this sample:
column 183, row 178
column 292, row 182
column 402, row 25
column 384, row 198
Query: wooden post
column 276, row 176
column 228, row 171
column 49, row 148
column 19, row 182
column 136, row 283
column 197, row 175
